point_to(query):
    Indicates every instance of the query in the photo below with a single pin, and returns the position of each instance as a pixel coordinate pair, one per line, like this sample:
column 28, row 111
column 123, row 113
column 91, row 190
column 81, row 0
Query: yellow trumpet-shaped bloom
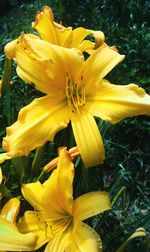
column 10, row 238
column 57, row 217
column 75, row 91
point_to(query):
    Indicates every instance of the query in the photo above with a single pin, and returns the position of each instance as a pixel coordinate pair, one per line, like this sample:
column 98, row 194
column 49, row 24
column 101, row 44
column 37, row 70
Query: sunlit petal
column 10, row 48
column 99, row 38
column 44, row 25
column 4, row 156
column 52, row 210
column 50, row 60
column 10, row 210
column 51, row 31
column 12, row 239
column 115, row 102
column 32, row 72
column 37, row 123
column 88, row 138
column 64, row 36
column 58, row 243
column 100, row 63
column 31, row 222
column 57, row 34
column 78, row 35
column 65, row 171
column 84, row 239
column 32, row 193
column 58, row 187
column 87, row 46
column 90, row 204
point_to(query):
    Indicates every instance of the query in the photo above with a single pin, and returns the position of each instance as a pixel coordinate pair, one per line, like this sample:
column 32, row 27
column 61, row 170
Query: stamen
column 75, row 94
column 61, row 224
column 43, row 225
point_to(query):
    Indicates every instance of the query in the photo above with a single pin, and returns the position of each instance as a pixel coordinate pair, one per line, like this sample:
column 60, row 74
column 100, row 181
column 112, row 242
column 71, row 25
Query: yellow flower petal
column 47, row 28
column 37, row 123
column 44, row 25
column 64, row 36
column 99, row 38
column 58, row 187
column 115, row 102
column 50, row 194
column 43, row 201
column 78, row 35
column 65, row 175
column 12, row 239
column 32, row 72
column 90, row 204
column 100, row 63
column 32, row 193
column 10, row 48
column 84, row 239
column 4, row 156
column 58, row 34
column 10, row 210
column 31, row 222
column 48, row 64
column 88, row 138
column 58, row 243
column 87, row 46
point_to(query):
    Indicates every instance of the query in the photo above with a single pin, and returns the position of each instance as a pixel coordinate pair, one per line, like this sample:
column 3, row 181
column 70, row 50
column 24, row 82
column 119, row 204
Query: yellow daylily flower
column 57, row 217
column 75, row 91
column 57, row 34
column 10, row 238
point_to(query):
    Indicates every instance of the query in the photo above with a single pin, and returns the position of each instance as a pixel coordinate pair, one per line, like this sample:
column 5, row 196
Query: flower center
column 75, row 94
column 53, row 227
column 44, row 225
column 60, row 225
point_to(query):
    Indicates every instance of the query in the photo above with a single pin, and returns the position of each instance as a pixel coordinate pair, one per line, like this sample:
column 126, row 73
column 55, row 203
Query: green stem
column 85, row 176
column 121, row 192
column 120, row 175
column 38, row 160
column 18, row 163
column 6, row 76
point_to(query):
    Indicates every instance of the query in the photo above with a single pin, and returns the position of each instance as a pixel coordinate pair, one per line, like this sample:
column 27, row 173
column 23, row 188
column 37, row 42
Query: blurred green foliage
column 126, row 25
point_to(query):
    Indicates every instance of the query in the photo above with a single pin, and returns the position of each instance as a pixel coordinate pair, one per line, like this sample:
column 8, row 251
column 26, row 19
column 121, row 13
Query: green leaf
column 18, row 163
column 140, row 232
column 6, row 76
column 4, row 191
